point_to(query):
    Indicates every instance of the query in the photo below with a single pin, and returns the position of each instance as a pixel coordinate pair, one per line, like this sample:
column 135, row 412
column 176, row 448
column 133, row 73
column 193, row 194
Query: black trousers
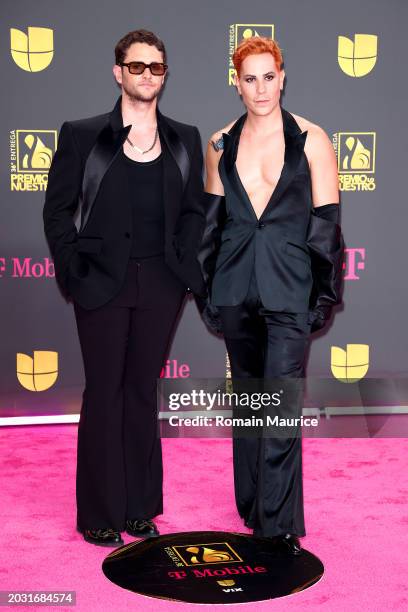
column 267, row 471
column 124, row 346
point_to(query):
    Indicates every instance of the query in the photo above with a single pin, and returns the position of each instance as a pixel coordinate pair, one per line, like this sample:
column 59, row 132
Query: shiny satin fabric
column 263, row 344
column 100, row 158
column 107, row 146
column 268, row 274
column 215, row 215
column 276, row 242
column 298, row 255
column 90, row 264
column 326, row 245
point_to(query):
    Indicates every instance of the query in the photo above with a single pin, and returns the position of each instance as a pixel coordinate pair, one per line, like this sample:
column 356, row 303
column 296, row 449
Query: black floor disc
column 209, row 567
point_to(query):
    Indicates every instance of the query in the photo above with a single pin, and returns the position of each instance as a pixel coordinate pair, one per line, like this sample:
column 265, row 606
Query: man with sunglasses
column 137, row 177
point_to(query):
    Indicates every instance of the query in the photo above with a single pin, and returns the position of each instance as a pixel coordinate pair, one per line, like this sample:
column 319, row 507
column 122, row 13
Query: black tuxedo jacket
column 90, row 263
column 275, row 244
column 296, row 255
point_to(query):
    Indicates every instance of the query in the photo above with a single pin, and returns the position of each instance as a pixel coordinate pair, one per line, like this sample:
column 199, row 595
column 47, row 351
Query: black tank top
column 145, row 194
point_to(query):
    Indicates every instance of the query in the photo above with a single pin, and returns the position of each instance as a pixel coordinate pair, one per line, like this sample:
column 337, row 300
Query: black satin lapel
column 227, row 152
column 294, row 146
column 231, row 141
column 100, row 158
column 172, row 190
column 176, row 148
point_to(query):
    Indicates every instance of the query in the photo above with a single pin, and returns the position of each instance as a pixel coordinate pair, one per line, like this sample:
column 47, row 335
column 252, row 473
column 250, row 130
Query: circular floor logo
column 209, row 567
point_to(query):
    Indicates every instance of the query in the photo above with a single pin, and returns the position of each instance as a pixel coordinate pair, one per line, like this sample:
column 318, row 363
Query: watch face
column 210, row 567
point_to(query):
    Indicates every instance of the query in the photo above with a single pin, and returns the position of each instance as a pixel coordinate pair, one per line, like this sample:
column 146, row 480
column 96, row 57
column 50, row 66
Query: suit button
column 261, row 225
column 127, row 235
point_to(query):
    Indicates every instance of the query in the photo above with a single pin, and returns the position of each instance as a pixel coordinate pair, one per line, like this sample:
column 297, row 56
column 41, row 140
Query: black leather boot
column 144, row 528
column 102, row 537
column 287, row 543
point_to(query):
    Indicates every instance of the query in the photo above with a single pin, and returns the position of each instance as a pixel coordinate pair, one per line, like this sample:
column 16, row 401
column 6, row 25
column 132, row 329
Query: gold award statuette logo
column 357, row 57
column 239, row 32
column 226, row 583
column 350, row 365
column 33, row 51
column 355, row 160
column 37, row 373
column 204, row 554
column 31, row 153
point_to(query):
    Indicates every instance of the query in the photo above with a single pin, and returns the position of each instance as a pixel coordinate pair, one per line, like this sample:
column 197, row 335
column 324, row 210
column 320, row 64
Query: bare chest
column 259, row 167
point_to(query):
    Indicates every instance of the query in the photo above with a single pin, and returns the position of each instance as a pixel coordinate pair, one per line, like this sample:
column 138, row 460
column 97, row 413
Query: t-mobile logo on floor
column 354, row 261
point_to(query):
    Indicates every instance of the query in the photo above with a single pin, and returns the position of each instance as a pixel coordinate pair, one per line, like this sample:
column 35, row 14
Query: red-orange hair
column 254, row 46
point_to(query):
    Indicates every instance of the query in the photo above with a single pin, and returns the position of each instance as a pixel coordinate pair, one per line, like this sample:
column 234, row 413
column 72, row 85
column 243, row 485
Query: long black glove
column 326, row 246
column 215, row 214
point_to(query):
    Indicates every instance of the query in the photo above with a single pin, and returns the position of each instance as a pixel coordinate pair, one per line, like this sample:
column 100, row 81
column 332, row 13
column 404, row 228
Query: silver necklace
column 140, row 150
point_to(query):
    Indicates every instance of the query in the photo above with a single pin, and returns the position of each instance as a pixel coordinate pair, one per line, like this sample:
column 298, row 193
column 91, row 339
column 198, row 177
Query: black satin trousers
column 267, row 471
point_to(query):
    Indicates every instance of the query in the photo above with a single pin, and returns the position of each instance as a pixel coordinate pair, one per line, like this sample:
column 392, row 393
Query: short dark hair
column 140, row 36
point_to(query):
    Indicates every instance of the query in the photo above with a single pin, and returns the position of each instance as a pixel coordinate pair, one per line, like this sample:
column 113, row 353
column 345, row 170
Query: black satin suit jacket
column 281, row 246
column 90, row 264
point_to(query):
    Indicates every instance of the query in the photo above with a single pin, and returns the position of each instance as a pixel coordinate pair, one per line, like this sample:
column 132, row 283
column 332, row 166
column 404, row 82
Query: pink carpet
column 356, row 505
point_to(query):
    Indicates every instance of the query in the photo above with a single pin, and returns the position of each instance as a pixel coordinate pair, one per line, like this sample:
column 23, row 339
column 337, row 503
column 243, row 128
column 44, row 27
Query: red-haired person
column 271, row 255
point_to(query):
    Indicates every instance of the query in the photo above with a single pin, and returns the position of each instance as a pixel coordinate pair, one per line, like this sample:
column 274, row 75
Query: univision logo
column 350, row 365
column 357, row 58
column 37, row 373
column 33, row 51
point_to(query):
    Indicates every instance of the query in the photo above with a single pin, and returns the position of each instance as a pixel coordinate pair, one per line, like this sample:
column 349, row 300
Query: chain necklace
column 147, row 150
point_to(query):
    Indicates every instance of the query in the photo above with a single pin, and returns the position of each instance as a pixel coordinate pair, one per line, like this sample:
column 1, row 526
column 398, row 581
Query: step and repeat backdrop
column 344, row 66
